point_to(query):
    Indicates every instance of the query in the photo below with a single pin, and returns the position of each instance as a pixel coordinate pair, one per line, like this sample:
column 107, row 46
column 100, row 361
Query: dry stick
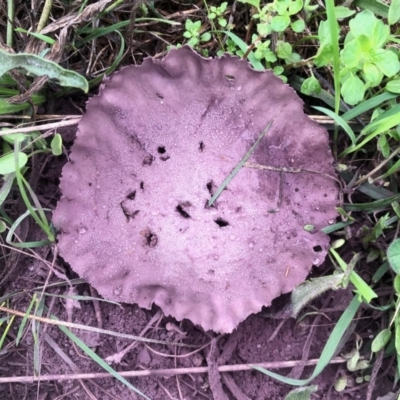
column 43, row 127
column 383, row 163
column 92, row 328
column 164, row 372
column 75, row 121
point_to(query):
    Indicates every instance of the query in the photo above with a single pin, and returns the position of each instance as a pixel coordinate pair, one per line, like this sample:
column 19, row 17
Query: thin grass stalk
column 333, row 29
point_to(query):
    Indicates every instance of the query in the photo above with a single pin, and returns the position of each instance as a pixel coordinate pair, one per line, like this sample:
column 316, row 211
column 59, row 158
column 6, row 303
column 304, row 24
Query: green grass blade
column 15, row 225
column 333, row 29
column 255, row 63
column 367, row 105
column 225, row 183
column 39, row 36
column 94, row 82
column 7, row 108
column 24, row 320
column 372, row 206
column 7, row 328
column 363, row 289
column 98, row 360
column 329, row 349
column 340, row 121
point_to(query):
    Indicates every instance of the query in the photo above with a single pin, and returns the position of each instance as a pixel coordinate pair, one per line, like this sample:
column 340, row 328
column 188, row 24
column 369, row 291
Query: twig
column 92, row 328
column 163, row 372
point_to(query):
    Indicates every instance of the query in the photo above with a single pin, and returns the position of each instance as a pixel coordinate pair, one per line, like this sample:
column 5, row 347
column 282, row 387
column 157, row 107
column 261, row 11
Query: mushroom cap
column 152, row 147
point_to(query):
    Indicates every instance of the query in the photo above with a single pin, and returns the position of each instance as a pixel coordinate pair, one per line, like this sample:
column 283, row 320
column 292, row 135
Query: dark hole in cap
column 221, row 222
column 317, row 249
column 179, row 208
column 161, row 149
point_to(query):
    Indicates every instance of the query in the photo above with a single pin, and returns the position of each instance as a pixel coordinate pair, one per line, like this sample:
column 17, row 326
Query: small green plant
column 364, row 59
column 193, row 33
column 217, row 13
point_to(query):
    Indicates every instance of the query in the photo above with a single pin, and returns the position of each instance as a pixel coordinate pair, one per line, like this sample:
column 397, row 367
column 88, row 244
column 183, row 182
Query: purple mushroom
column 152, row 149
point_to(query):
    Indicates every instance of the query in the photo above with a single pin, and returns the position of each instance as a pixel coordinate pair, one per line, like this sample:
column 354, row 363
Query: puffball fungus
column 152, row 149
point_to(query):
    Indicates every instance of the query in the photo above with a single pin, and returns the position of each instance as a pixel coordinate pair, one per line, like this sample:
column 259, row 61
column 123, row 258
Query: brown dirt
column 249, row 344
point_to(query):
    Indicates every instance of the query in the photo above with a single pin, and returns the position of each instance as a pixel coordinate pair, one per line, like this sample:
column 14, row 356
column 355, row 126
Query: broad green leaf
column 7, row 162
column 3, row 226
column 283, row 49
column 371, row 74
column 394, row 12
column 40, row 67
column 324, row 56
column 353, row 90
column 396, row 284
column 383, row 146
column 386, row 61
column 295, row 6
column 280, row 23
column 343, row 12
column 351, row 54
column 393, row 86
column 298, row 26
column 264, row 29
column 56, row 145
column 381, row 339
column 393, row 255
column 281, row 6
column 311, row 86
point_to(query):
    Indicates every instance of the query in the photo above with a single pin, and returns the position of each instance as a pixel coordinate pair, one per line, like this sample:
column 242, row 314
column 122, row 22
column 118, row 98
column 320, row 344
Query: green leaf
column 393, row 255
column 351, row 54
column 353, row 90
column 40, row 67
column 381, row 339
column 264, row 29
column 394, row 12
column 56, row 145
column 386, row 61
column 371, row 74
column 295, row 6
column 311, row 86
column 396, row 284
column 3, row 226
column 393, row 86
column 343, row 12
column 7, row 162
column 298, row 26
column 383, row 146
column 205, row 37
column 280, row 23
column 283, row 49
